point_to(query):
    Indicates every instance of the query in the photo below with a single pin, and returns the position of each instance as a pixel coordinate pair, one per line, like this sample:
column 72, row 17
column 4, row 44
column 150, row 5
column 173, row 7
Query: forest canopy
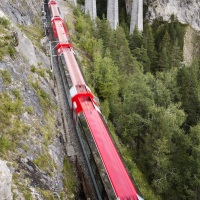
column 150, row 99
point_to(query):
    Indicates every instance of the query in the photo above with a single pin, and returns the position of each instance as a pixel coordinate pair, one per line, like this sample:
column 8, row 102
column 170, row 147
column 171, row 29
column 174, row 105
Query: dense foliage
column 151, row 98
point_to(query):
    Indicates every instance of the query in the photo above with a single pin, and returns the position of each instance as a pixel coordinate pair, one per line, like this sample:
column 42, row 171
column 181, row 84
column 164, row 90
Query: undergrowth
column 12, row 128
column 70, row 181
column 7, row 42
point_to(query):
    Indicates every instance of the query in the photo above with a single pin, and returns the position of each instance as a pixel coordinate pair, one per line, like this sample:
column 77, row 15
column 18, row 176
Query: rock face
column 36, row 162
column 191, row 49
column 187, row 11
column 5, row 181
column 20, row 11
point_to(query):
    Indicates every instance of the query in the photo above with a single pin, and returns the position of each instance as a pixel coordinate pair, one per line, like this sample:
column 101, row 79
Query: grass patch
column 4, row 143
column 6, row 77
column 7, row 41
column 70, row 181
column 47, row 195
column 44, row 98
column 4, row 22
column 29, row 109
column 22, row 187
column 17, row 94
column 12, row 129
column 40, row 71
column 45, row 163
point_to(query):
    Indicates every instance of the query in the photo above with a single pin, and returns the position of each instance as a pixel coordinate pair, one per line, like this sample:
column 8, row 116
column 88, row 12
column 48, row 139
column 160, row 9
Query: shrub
column 6, row 77
column 4, row 22
column 11, row 51
column 4, row 143
column 47, row 194
column 33, row 68
column 29, row 109
column 70, row 180
column 17, row 93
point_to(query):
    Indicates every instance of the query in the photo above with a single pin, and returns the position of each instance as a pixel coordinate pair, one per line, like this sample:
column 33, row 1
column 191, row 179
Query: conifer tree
column 189, row 85
column 149, row 43
column 175, row 55
column 135, row 40
column 164, row 54
column 141, row 55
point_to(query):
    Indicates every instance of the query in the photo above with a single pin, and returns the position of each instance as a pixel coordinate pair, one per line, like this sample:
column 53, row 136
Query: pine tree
column 149, row 44
column 164, row 124
column 189, row 85
column 164, row 54
column 141, row 55
column 175, row 55
column 135, row 40
column 104, row 31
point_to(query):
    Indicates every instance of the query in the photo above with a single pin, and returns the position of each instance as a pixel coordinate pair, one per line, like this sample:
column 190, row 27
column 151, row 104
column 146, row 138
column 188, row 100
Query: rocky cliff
column 31, row 149
column 186, row 11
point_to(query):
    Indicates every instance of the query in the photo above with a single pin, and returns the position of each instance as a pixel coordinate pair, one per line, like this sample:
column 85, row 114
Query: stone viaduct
column 133, row 7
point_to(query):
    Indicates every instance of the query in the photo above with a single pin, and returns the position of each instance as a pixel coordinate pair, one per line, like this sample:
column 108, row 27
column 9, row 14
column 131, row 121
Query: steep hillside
column 32, row 164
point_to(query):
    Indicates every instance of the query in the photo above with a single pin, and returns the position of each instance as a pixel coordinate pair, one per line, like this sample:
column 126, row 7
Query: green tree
column 189, row 86
column 149, row 44
column 176, row 55
column 141, row 55
column 164, row 124
column 105, row 76
column 135, row 40
column 163, row 61
column 104, row 31
column 137, row 100
column 120, row 51
column 193, row 187
column 165, row 88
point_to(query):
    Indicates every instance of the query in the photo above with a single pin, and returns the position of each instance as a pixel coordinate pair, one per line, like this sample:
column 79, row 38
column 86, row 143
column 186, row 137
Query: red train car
column 85, row 108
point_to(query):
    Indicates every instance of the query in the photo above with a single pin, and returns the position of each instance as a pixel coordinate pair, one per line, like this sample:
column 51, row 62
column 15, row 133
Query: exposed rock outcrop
column 191, row 49
column 20, row 11
column 36, row 161
column 5, row 181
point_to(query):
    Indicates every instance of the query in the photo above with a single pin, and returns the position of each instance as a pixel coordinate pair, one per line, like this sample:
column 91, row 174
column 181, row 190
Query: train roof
column 116, row 171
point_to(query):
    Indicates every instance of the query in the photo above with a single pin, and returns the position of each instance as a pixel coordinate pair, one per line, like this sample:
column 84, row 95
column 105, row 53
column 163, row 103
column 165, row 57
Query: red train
column 85, row 109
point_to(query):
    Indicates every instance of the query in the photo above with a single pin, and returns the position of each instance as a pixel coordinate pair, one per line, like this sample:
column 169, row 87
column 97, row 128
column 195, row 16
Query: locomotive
column 88, row 119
